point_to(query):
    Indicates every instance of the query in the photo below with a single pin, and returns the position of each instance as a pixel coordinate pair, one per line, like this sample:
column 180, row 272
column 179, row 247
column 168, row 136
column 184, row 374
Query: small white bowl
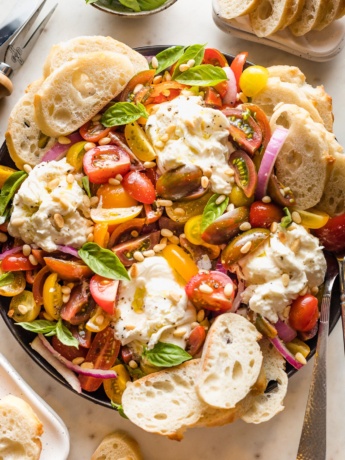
column 101, row 5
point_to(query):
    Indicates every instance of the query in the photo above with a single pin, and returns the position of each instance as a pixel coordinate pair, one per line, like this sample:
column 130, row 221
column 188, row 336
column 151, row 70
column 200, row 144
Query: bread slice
column 72, row 49
column 306, row 158
column 265, row 406
column 341, row 10
column 333, row 198
column 20, row 430
column 230, row 362
column 117, row 446
column 25, row 141
column 294, row 12
column 330, row 12
column 229, row 9
column 76, row 91
column 312, row 13
column 270, row 16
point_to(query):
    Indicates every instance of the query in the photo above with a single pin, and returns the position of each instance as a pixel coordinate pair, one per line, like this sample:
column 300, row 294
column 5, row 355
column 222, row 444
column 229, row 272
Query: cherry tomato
column 245, row 173
column 180, row 261
column 216, row 299
column 123, row 232
column 144, row 77
column 37, row 287
column 75, row 156
column 238, row 198
column 165, row 91
column 70, row 270
column 16, row 262
column 23, row 307
column 105, row 161
column 101, row 234
column 125, row 251
column 196, row 340
column 262, row 215
column 15, row 287
column 138, row 142
column 102, row 354
column 312, row 218
column 304, row 313
column 79, row 307
column 68, row 351
column 103, row 291
column 139, row 186
column 114, row 388
column 253, row 80
column 212, row 98
column 114, row 216
column 261, row 118
column 152, row 213
column 52, row 296
column 93, row 131
column 237, row 66
column 115, row 196
column 332, row 235
column 98, row 320
column 214, row 57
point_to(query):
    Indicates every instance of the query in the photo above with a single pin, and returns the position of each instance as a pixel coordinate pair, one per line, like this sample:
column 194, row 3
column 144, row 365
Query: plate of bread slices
column 311, row 29
column 158, row 215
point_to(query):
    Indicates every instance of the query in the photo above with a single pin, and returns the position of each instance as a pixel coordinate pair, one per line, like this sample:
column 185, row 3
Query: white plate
column 55, row 439
column 316, row 45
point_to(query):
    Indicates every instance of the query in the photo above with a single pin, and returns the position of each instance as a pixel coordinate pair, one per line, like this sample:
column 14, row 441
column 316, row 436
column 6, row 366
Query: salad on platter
column 163, row 235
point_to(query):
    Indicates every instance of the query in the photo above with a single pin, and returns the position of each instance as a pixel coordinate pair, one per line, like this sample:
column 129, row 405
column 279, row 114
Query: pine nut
column 104, row 141
column 99, row 320
column 149, row 253
column 113, row 181
column 138, row 88
column 59, row 220
column 70, row 178
column 266, row 199
column 174, row 239
column 157, row 79
column 159, row 144
column 194, row 325
column 94, row 201
column 90, row 237
column 53, row 183
column 228, row 290
column 65, row 298
column 296, row 217
column 191, row 63
column 179, row 211
column 119, row 177
column 154, row 63
column 246, row 247
column 205, row 181
column 26, row 250
column 64, row 140
column 87, row 365
column 3, row 237
column 166, row 232
column 96, row 118
column 65, row 290
column 138, row 256
column 27, row 168
column 134, row 272
column 183, row 67
column 165, row 137
column 149, row 164
column 300, row 358
column 220, row 199
column 22, row 309
column 167, row 76
column 33, row 260
column 79, row 360
column 296, row 245
column 245, row 226
column 229, row 172
column 180, row 332
column 285, row 279
column 200, row 316
column 89, row 145
column 314, row 290
column 166, row 203
column 17, row 222
column 231, row 207
column 159, row 247
column 133, row 364
column 304, row 291
column 274, row 227
column 282, row 237
column 163, row 241
column 205, row 288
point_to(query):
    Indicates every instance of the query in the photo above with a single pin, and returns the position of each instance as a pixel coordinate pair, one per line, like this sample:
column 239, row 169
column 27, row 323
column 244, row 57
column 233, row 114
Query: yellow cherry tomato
column 98, row 321
column 52, row 296
column 253, row 80
column 114, row 388
column 191, row 208
column 192, row 230
column 238, row 197
column 115, row 196
column 312, row 218
column 138, row 142
column 75, row 156
column 5, row 173
column 115, row 215
column 23, row 307
column 101, row 234
column 179, row 260
column 15, row 287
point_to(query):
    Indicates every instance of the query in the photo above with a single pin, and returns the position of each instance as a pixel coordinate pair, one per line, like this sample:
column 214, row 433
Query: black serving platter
column 24, row 338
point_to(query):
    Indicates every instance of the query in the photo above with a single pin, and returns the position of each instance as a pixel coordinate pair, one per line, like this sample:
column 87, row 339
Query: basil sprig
column 119, row 409
column 129, row 5
column 50, row 328
column 122, row 113
column 212, row 211
column 195, row 52
column 103, row 262
column 202, row 75
column 166, row 355
column 86, row 185
column 9, row 188
column 287, row 220
column 6, row 278
column 168, row 57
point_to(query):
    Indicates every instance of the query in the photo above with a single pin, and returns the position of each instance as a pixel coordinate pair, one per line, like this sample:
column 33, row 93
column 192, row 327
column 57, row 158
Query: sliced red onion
column 67, row 374
column 58, row 151
column 11, row 251
column 237, row 299
column 97, row 373
column 286, row 353
column 266, row 167
column 231, row 91
column 285, row 332
column 68, row 250
column 220, row 267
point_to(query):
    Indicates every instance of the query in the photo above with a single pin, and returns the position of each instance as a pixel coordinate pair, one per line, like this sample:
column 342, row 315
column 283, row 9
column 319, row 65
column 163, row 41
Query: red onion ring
column 68, row 250
column 10, row 251
column 285, row 332
column 231, row 91
column 58, row 151
column 278, row 344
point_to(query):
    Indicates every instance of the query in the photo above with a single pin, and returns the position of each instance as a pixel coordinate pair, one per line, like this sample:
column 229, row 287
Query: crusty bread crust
column 310, row 16
column 329, row 14
column 117, row 446
column 333, row 198
column 270, row 16
column 229, row 9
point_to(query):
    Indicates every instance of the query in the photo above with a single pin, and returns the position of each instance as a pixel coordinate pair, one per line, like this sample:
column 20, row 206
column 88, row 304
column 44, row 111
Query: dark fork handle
column 342, row 294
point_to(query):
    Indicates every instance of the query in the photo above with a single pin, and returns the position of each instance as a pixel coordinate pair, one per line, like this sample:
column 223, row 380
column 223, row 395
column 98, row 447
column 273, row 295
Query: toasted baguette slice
column 306, row 158
column 333, row 199
column 330, row 12
column 341, row 10
column 23, row 136
column 270, row 16
column 76, row 91
column 72, row 49
column 20, row 430
column 310, row 16
column 230, row 362
column 117, row 446
column 294, row 12
column 229, row 9
column 265, row 406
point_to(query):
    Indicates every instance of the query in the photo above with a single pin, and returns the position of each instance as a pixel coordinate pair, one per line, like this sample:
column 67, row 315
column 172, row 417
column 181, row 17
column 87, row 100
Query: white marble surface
column 186, row 22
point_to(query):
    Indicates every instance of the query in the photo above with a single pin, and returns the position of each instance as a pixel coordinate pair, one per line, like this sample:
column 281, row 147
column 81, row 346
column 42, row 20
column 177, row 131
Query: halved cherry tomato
column 115, row 216
column 212, row 98
column 214, row 57
column 102, row 354
column 196, row 340
column 245, row 173
column 262, row 215
column 103, row 291
column 105, row 161
column 68, row 351
column 332, row 235
column 114, row 388
column 125, row 251
column 83, row 336
column 180, row 261
column 260, row 116
column 101, row 234
column 165, row 91
column 37, row 287
column 16, row 262
column 226, row 226
column 123, row 232
column 115, row 196
column 39, row 255
column 23, row 307
column 75, row 155
column 153, row 213
column 312, row 218
column 138, row 142
column 139, row 186
column 30, row 276
column 304, row 313
column 52, row 296
column 70, row 270
column 98, row 320
column 237, row 66
column 93, row 131
column 215, row 300
column 80, row 305
column 144, row 77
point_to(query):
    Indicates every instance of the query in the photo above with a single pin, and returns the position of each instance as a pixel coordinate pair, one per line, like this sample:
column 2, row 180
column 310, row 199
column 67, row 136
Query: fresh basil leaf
column 168, row 57
column 6, row 278
column 103, row 262
column 195, row 52
column 132, row 4
column 119, row 409
column 65, row 335
column 9, row 188
column 86, row 184
column 40, row 326
column 122, row 113
column 88, row 2
column 166, row 355
column 202, row 75
column 287, row 220
column 148, row 5
column 212, row 211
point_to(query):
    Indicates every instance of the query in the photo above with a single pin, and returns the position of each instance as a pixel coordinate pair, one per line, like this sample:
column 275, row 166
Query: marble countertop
column 183, row 23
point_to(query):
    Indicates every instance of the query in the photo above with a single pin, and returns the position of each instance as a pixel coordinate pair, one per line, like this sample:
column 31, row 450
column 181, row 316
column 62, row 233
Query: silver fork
column 312, row 444
column 341, row 265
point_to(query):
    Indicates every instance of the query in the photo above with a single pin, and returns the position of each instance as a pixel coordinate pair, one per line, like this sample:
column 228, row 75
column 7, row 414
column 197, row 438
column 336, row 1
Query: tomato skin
column 67, row 351
column 16, row 262
column 196, row 340
column 262, row 215
column 103, row 291
column 332, row 235
column 139, row 186
column 70, row 270
column 237, row 66
column 144, row 77
column 105, row 161
column 245, row 173
column 79, row 307
column 253, row 80
column 214, row 57
column 213, row 98
column 304, row 313
column 93, row 132
column 215, row 300
column 125, row 251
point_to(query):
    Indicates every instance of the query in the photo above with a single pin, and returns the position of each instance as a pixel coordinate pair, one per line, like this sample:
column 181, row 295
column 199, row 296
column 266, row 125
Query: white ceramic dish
column 315, row 46
column 55, row 439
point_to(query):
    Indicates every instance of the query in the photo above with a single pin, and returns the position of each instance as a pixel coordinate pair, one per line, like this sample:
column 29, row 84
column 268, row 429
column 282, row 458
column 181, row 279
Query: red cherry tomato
column 144, row 78
column 16, row 262
column 103, row 291
column 244, row 130
column 237, row 66
column 105, row 161
column 304, row 313
column 196, row 340
column 199, row 284
column 332, row 235
column 139, row 186
column 79, row 307
column 93, row 131
column 214, row 57
column 262, row 215
column 67, row 351
column 212, row 98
